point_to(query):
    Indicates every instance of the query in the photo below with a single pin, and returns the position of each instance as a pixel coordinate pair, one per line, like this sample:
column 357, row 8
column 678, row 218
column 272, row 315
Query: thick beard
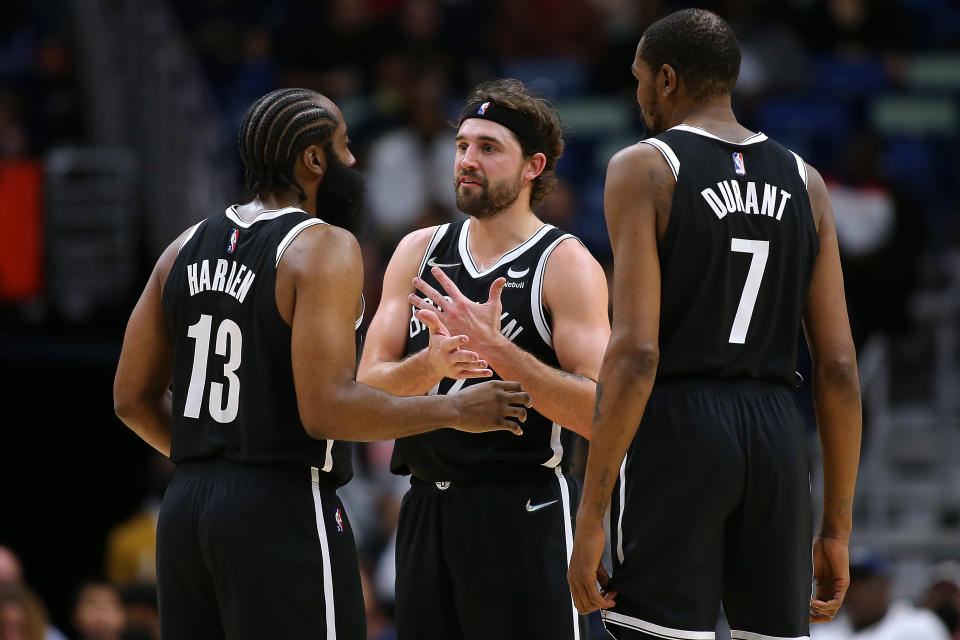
column 491, row 200
column 341, row 196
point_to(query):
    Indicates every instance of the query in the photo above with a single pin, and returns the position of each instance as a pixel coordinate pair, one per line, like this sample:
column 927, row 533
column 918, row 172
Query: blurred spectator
column 869, row 614
column 131, row 545
column 20, row 608
column 13, row 134
column 98, row 612
column 379, row 625
column 942, row 596
column 855, row 27
column 141, row 612
column 573, row 29
column 22, row 616
column 409, row 177
column 880, row 233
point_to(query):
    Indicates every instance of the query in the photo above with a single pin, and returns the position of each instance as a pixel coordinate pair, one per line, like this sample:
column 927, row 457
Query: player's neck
column 492, row 237
column 274, row 202
column 714, row 115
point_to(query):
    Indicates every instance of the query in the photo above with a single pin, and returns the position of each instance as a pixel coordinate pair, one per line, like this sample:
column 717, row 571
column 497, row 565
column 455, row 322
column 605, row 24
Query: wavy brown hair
column 512, row 94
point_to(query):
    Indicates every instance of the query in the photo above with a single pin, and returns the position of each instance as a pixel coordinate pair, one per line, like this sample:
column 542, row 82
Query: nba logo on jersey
column 232, row 243
column 483, row 108
column 337, row 517
column 738, row 164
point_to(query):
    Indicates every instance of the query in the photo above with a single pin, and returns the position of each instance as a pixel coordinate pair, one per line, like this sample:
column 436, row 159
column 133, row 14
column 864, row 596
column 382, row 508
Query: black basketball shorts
column 713, row 503
column 251, row 552
column 487, row 560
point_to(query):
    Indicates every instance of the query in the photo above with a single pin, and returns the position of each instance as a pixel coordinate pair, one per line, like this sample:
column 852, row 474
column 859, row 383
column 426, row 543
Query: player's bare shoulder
column 640, row 174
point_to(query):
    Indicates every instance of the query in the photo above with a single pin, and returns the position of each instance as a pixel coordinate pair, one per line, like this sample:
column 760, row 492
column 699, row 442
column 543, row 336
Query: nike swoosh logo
column 537, row 507
column 517, row 274
column 432, row 262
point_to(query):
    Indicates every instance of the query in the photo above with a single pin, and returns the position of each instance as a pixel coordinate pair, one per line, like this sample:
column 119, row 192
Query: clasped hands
column 453, row 321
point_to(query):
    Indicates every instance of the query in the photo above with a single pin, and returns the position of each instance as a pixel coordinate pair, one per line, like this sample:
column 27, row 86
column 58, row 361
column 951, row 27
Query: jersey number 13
column 200, row 332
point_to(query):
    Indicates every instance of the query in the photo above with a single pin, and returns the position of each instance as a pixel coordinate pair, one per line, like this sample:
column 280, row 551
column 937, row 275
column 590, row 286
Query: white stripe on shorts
column 612, row 617
column 749, row 635
column 331, row 612
column 568, row 535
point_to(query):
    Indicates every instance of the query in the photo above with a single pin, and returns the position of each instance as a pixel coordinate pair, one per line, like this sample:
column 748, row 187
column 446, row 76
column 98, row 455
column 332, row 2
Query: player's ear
column 535, row 166
column 667, row 80
column 314, row 159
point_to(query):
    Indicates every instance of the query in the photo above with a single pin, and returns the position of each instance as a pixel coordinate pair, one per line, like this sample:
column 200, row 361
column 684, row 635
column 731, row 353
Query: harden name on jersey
column 236, row 283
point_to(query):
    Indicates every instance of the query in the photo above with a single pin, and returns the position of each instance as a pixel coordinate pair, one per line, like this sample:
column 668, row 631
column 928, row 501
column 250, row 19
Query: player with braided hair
column 252, row 316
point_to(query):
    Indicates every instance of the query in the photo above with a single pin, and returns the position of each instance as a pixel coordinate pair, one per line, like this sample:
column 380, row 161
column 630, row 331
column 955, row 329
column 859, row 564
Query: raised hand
column 489, row 405
column 831, row 574
column 481, row 322
column 586, row 570
column 445, row 353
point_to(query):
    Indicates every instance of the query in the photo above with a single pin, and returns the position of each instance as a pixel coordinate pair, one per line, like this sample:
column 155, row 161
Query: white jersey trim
column 612, row 617
column 328, row 458
column 329, row 608
column 689, row 128
column 557, row 447
column 667, row 154
column 748, row 635
column 475, row 272
column 568, row 538
column 623, row 497
column 268, row 214
column 363, row 309
column 192, row 230
column 536, row 292
column 801, row 167
column 293, row 233
column 432, row 245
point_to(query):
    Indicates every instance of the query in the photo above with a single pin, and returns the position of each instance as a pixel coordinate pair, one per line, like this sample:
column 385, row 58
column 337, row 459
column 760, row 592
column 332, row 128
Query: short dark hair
column 275, row 130
column 700, row 46
column 513, row 94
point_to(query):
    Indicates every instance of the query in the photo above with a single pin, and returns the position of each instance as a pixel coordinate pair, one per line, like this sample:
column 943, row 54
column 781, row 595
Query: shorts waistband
column 216, row 466
column 720, row 384
column 492, row 479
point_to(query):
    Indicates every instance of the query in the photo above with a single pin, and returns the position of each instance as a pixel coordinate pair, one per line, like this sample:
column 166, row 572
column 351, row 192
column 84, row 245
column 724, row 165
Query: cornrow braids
column 275, row 129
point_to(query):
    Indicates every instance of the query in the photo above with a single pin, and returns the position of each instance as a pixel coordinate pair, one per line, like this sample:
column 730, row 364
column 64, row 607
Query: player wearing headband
column 486, row 528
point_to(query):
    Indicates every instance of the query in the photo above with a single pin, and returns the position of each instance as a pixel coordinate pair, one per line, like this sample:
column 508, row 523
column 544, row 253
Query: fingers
column 521, row 398
column 603, row 578
column 513, row 411
column 496, row 289
column 452, row 345
column 445, row 282
column 821, row 611
column 419, row 302
column 428, row 291
column 430, row 318
column 511, row 426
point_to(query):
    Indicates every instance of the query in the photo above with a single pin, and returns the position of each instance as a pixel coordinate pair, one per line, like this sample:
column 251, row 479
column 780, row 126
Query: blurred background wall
column 118, row 124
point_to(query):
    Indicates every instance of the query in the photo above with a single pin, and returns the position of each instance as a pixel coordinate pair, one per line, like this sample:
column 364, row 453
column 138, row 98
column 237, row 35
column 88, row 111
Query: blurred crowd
column 866, row 91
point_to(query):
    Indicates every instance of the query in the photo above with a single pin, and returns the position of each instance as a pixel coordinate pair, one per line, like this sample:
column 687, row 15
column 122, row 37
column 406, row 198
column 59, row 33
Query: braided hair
column 275, row 130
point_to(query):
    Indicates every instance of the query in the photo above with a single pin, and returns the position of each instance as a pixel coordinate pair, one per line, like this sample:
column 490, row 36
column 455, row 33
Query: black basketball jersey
column 736, row 258
column 450, row 455
column 233, row 390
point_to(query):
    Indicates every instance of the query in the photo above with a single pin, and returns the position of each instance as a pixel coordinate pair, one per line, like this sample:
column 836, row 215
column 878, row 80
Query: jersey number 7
column 748, row 298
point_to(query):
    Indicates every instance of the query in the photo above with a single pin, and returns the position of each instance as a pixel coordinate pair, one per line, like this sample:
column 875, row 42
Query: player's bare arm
column 575, row 293
column 639, row 184
column 141, row 389
column 836, row 395
column 382, row 364
column 332, row 403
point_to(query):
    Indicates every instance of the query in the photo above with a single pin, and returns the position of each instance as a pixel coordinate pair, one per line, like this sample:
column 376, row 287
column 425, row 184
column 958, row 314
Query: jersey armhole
column 293, row 233
column 667, row 154
column 536, row 291
column 192, row 230
column 434, row 241
column 801, row 168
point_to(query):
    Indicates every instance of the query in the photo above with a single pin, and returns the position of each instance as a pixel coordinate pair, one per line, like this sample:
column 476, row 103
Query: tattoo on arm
column 596, row 407
column 845, row 506
column 605, row 477
column 575, row 376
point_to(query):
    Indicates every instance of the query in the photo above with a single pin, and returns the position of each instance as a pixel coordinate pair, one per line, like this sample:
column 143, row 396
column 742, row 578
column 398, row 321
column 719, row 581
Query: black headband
column 526, row 132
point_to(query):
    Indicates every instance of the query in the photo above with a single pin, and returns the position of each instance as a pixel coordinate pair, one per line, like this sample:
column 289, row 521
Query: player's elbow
column 635, row 359
column 126, row 402
column 322, row 419
column 837, row 370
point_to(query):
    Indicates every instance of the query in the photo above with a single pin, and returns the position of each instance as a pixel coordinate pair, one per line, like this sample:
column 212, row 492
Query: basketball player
column 251, row 315
column 723, row 242
column 486, row 527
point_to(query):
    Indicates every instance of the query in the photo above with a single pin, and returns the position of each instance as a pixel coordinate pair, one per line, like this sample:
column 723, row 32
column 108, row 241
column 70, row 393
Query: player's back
column 736, row 257
column 233, row 387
